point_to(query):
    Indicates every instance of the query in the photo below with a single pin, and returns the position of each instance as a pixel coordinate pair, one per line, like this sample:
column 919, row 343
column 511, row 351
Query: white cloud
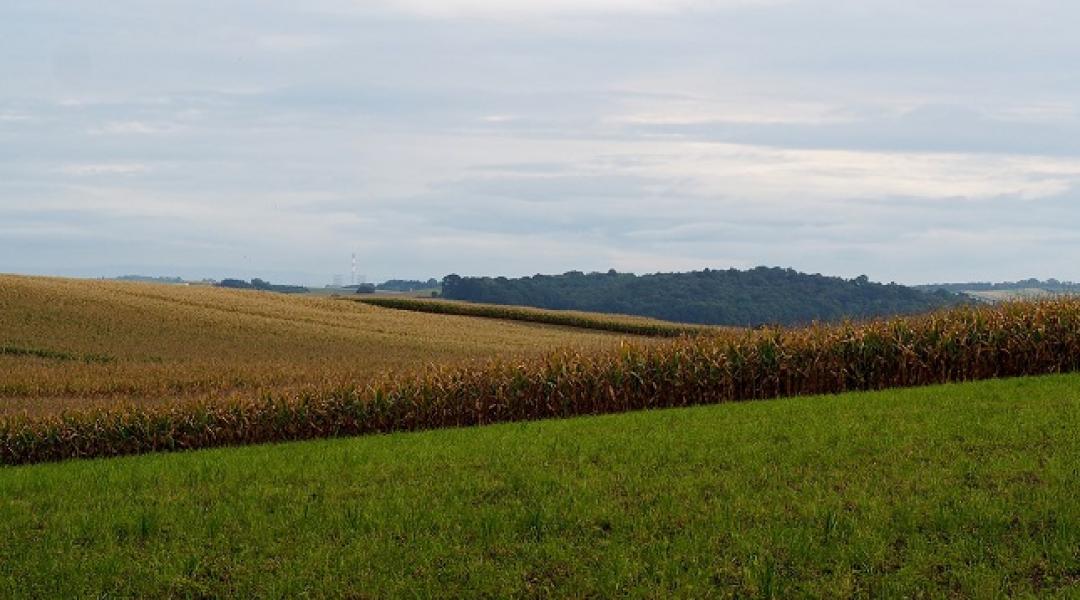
column 499, row 118
column 292, row 42
column 14, row 117
column 136, row 128
column 784, row 175
column 532, row 8
column 89, row 170
column 516, row 137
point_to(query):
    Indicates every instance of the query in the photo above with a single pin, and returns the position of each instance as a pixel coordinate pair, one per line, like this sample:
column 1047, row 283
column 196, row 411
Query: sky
column 913, row 141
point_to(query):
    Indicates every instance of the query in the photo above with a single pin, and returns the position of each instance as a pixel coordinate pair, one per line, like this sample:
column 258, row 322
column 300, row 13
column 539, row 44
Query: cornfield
column 68, row 344
column 569, row 318
column 966, row 343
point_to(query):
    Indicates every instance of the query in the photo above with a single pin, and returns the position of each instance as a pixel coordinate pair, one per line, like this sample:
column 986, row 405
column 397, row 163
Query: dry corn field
column 74, row 344
column 571, row 318
column 961, row 344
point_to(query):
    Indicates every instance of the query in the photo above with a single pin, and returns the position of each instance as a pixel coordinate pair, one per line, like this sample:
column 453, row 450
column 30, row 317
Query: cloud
column 899, row 139
column 930, row 127
column 293, row 42
column 533, row 8
column 14, row 117
column 135, row 128
column 85, row 170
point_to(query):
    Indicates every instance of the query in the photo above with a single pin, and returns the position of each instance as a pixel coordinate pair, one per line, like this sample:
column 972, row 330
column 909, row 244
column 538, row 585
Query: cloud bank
column 912, row 141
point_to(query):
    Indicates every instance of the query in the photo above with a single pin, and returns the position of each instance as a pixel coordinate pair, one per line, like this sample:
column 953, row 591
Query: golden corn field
column 80, row 344
column 962, row 344
column 584, row 320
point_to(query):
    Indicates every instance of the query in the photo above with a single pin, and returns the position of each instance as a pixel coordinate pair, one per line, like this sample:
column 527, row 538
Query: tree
column 728, row 297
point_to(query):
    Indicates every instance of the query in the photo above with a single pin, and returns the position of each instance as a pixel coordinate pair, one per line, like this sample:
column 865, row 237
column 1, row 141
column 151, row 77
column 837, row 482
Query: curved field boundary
column 6, row 350
column 962, row 344
column 583, row 320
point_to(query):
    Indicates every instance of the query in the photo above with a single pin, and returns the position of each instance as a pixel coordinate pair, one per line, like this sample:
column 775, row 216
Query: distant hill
column 70, row 344
column 1006, row 291
column 1049, row 285
column 259, row 284
column 149, row 279
column 407, row 285
column 729, row 297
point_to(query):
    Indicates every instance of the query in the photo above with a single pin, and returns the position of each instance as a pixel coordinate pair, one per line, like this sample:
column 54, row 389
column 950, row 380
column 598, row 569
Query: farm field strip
column 616, row 323
column 963, row 490
column 170, row 343
column 960, row 344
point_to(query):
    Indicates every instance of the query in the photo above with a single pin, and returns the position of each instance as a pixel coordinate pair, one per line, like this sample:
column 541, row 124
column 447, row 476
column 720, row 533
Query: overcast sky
column 909, row 140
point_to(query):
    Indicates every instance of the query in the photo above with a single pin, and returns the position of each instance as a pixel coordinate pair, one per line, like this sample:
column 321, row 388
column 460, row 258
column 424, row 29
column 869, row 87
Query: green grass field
column 956, row 491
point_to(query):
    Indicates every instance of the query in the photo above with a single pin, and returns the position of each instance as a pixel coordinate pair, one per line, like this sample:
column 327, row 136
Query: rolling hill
column 727, row 297
column 961, row 490
column 68, row 343
column 950, row 491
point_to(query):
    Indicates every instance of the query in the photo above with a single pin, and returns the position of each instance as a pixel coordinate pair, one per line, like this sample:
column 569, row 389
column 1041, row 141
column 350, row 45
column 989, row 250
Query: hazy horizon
column 909, row 141
column 363, row 279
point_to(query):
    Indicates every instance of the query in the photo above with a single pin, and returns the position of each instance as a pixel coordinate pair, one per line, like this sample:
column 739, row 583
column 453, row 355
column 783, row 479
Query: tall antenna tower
column 354, row 268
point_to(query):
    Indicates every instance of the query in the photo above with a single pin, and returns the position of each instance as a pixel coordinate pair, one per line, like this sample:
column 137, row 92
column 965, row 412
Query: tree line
column 1050, row 285
column 259, row 284
column 753, row 297
column 408, row 285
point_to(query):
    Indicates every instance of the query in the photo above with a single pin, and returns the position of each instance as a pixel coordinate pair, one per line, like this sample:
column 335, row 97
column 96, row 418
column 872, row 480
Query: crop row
column 69, row 344
column 965, row 343
column 6, row 350
column 567, row 318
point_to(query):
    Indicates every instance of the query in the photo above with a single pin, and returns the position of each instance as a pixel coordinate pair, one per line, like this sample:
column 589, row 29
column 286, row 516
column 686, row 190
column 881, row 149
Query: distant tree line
column 727, row 297
column 147, row 279
column 259, row 284
column 1050, row 285
column 408, row 285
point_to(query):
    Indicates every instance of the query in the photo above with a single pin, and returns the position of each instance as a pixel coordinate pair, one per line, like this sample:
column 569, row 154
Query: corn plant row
column 965, row 343
column 6, row 350
column 614, row 323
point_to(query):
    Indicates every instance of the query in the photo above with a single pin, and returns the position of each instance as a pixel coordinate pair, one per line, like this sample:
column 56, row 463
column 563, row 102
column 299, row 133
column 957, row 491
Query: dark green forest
column 408, row 285
column 753, row 297
column 261, row 285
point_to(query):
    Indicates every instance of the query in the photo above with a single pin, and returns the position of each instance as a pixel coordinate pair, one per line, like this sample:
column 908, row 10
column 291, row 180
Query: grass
column 72, row 344
column 949, row 491
column 570, row 318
